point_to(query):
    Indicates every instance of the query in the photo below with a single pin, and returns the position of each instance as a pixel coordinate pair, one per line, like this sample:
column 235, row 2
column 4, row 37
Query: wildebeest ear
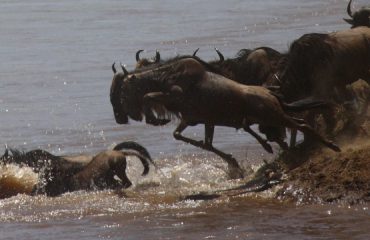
column 348, row 20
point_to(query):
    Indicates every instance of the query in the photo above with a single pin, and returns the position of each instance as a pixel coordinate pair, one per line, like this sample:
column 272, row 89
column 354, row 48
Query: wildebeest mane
column 165, row 72
column 304, row 55
column 32, row 158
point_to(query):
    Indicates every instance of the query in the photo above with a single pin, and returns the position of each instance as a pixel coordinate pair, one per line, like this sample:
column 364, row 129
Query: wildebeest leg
column 232, row 163
column 293, row 137
column 293, row 132
column 307, row 130
column 209, row 132
column 147, row 104
column 262, row 141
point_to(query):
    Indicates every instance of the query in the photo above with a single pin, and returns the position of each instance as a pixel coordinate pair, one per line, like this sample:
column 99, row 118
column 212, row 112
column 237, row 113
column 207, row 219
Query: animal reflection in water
column 193, row 91
column 60, row 174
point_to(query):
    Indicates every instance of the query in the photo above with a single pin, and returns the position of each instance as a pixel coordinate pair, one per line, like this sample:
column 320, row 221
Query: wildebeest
column 60, row 174
column 321, row 65
column 190, row 88
column 254, row 67
column 359, row 18
column 250, row 67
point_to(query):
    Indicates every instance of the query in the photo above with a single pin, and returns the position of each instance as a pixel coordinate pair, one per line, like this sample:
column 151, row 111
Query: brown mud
column 315, row 174
column 320, row 175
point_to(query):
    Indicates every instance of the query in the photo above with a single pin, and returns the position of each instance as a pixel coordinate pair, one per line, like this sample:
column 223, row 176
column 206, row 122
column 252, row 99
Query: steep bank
column 321, row 175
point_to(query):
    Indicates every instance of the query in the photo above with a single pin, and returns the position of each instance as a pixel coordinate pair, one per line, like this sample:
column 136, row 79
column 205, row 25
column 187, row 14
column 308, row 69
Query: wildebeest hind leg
column 209, row 132
column 235, row 169
column 306, row 129
column 262, row 141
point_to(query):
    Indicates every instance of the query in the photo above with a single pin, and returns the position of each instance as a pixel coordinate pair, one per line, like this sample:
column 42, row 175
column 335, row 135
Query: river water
column 55, row 77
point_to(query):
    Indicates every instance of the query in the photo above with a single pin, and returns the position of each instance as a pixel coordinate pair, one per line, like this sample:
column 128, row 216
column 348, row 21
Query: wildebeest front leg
column 148, row 101
column 236, row 170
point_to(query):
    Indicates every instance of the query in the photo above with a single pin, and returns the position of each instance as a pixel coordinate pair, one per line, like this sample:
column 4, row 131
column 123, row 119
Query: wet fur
column 60, row 174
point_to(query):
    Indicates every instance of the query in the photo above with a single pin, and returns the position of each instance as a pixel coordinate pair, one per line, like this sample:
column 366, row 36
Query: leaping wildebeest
column 190, row 88
column 60, row 174
column 255, row 67
column 359, row 18
column 249, row 67
column 321, row 65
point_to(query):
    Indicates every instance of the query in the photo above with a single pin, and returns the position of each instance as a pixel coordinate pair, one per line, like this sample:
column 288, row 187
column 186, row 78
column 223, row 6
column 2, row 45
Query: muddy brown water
column 54, row 94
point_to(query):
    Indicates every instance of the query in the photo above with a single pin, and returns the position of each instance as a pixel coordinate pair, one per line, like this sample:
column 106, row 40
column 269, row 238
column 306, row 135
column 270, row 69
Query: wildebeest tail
column 304, row 104
column 130, row 145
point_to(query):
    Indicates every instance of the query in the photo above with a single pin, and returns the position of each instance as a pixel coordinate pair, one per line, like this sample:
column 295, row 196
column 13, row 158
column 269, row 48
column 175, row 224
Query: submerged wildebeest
column 60, row 174
column 359, row 18
column 190, row 88
column 321, row 65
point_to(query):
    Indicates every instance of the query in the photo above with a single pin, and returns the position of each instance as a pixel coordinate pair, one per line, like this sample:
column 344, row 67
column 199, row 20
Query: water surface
column 55, row 77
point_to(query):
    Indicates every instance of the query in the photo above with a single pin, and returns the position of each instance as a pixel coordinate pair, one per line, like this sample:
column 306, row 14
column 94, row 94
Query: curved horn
column 195, row 52
column 220, row 55
column 138, row 55
column 349, row 11
column 157, row 56
column 114, row 68
column 124, row 69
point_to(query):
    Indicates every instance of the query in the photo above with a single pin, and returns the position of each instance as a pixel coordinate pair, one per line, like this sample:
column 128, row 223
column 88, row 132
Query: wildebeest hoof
column 158, row 122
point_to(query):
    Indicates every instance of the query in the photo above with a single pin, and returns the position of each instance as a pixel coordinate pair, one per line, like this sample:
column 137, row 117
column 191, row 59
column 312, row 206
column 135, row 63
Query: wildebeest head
column 126, row 94
column 250, row 67
column 143, row 62
column 116, row 98
column 358, row 18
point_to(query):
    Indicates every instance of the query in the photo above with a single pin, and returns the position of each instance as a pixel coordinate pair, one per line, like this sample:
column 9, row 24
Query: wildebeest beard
column 159, row 77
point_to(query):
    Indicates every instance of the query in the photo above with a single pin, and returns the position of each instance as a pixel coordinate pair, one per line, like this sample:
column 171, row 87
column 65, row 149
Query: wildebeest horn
column 124, row 69
column 138, row 55
column 157, row 56
column 349, row 11
column 114, row 68
column 220, row 55
column 195, row 52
